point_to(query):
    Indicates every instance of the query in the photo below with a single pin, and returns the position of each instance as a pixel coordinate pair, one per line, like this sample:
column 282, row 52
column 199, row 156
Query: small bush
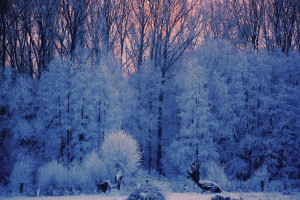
column 259, row 180
column 94, row 170
column 219, row 197
column 56, row 179
column 21, row 179
column 147, row 192
column 52, row 177
column 216, row 173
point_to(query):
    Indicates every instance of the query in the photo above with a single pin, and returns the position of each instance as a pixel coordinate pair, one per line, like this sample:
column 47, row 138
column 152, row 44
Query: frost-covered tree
column 143, row 126
column 22, row 177
column 195, row 141
column 54, row 120
column 50, row 100
column 121, row 154
column 81, row 107
column 280, row 118
column 83, row 114
column 177, row 28
column 18, row 135
column 106, row 95
column 6, row 144
column 223, row 65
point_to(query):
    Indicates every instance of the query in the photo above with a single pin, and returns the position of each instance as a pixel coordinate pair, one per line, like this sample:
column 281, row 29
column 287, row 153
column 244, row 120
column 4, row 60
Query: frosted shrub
column 147, row 192
column 120, row 153
column 94, row 171
column 219, row 197
column 259, row 180
column 94, row 166
column 237, row 167
column 216, row 173
column 56, row 179
column 78, row 179
column 22, row 177
column 52, row 178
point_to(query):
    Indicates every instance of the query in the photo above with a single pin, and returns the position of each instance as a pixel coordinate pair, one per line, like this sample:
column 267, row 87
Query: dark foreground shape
column 103, row 187
column 219, row 197
column 204, row 185
column 209, row 186
column 147, row 192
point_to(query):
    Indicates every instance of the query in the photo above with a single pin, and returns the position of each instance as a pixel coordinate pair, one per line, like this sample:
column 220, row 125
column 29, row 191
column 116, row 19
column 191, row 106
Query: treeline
column 75, row 70
column 236, row 113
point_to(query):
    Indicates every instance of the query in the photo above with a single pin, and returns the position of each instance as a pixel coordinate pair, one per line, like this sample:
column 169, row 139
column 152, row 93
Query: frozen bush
column 216, row 173
column 77, row 179
column 260, row 179
column 52, row 178
column 135, row 180
column 94, row 167
column 219, row 197
column 147, row 192
column 56, row 179
column 236, row 167
column 21, row 179
column 93, row 171
column 121, row 154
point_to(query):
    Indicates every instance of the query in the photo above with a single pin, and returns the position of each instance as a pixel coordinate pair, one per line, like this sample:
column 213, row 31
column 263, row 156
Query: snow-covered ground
column 171, row 196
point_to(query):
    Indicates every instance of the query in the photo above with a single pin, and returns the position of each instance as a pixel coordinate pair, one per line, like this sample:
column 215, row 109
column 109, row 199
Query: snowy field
column 172, row 196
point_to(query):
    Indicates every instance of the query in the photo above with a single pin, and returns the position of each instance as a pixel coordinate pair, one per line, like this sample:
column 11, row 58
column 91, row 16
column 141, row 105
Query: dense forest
column 192, row 81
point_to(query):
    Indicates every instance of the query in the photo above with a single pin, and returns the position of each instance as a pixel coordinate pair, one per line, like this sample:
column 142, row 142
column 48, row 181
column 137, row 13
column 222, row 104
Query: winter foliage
column 120, row 152
column 237, row 117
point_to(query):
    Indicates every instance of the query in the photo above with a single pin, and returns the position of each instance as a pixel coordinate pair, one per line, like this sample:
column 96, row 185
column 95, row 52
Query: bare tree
column 178, row 27
column 281, row 17
column 3, row 15
column 44, row 39
column 297, row 40
column 19, row 27
column 246, row 18
column 123, row 26
column 74, row 15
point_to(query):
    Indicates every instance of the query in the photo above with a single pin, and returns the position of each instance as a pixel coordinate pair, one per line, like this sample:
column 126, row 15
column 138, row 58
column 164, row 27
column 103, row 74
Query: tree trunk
column 142, row 36
column 106, row 26
column 81, row 135
column 69, row 124
column 149, row 153
column 160, row 129
column 99, row 122
column 149, row 146
column 3, row 32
